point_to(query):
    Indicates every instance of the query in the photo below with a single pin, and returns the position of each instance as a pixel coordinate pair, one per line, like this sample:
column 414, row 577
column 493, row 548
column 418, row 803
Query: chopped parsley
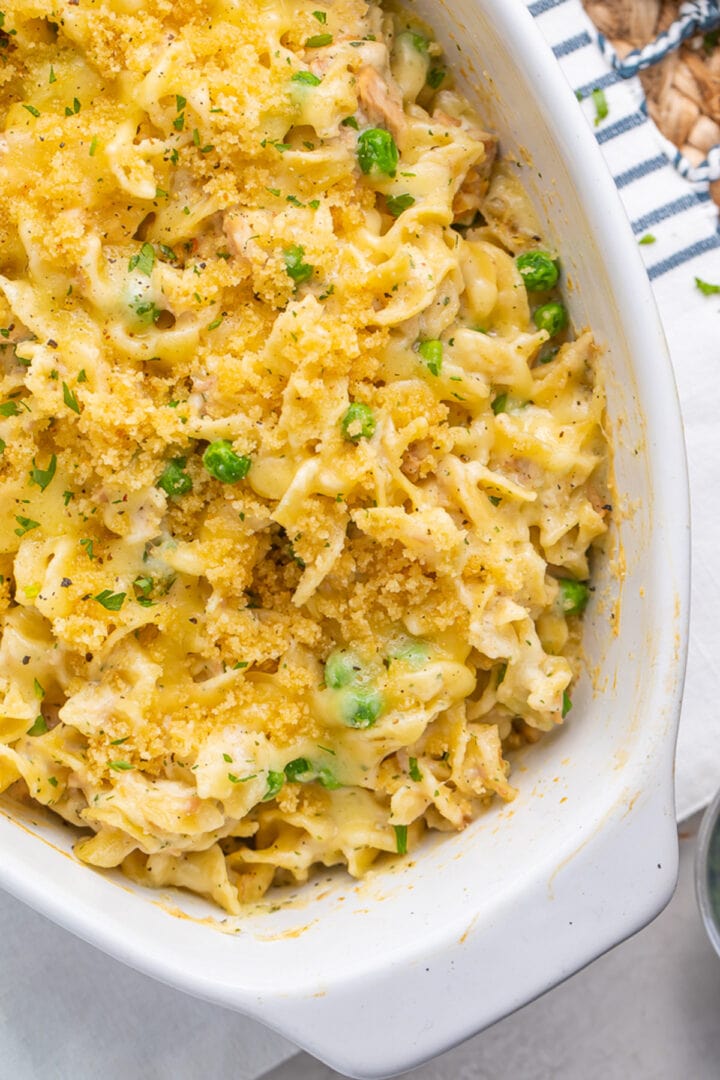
column 397, row 203
column 401, row 839
column 25, row 524
column 435, row 77
column 120, row 766
column 306, row 78
column 601, row 105
column 321, row 16
column 32, row 110
column 88, row 545
column 42, row 477
column 295, row 265
column 648, row 238
column 39, row 726
column 143, row 586
column 704, row 286
column 69, row 398
column 318, row 41
column 110, row 600
column 144, row 260
column 414, row 771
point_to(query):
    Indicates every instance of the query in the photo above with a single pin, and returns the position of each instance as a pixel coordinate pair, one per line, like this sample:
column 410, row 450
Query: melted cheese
column 229, row 684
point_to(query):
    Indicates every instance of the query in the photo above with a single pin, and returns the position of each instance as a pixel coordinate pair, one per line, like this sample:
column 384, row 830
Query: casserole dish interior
column 378, row 976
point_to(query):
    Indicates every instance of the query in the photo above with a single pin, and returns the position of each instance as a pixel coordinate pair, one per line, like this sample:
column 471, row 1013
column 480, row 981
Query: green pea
column 412, row 652
column 431, row 353
column 297, row 768
column 341, row 669
column 361, row 708
column 572, row 596
column 418, row 42
column 221, row 461
column 377, row 152
column 275, row 782
column 328, row 779
column 551, row 317
column 539, row 271
column 358, row 422
column 173, row 480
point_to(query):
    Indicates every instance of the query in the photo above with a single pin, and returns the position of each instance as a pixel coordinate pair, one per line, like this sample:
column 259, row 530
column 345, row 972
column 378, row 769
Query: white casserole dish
column 376, row 977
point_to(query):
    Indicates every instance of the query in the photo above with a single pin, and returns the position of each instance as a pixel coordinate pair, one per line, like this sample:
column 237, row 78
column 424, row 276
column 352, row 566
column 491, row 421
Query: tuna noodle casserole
column 300, row 462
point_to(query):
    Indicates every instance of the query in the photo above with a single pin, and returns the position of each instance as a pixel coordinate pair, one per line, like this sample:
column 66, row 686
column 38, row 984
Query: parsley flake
column 144, row 260
column 318, row 41
column 69, row 398
column 110, row 600
column 306, row 78
column 42, row 477
column 601, row 105
column 296, row 268
column 39, row 726
column 26, row 525
column 704, row 286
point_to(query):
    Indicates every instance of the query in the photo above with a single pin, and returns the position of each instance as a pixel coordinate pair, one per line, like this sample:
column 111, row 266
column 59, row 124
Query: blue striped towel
column 683, row 222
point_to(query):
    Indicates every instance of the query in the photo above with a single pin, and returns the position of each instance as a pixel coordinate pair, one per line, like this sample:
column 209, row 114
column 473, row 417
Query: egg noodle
column 300, row 465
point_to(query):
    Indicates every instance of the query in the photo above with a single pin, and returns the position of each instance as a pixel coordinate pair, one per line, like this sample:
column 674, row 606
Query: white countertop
column 648, row 1010
column 68, row 1012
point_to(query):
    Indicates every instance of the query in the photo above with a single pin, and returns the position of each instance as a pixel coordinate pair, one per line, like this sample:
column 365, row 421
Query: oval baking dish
column 376, row 977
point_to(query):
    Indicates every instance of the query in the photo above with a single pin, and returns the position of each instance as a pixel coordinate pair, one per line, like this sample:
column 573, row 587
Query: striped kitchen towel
column 676, row 224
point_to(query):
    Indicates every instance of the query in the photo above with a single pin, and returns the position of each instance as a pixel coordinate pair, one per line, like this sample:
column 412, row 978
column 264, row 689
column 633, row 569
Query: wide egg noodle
column 230, row 685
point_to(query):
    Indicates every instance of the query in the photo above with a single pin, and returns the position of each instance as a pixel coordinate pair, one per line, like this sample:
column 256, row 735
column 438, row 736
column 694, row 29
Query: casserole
column 542, row 879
